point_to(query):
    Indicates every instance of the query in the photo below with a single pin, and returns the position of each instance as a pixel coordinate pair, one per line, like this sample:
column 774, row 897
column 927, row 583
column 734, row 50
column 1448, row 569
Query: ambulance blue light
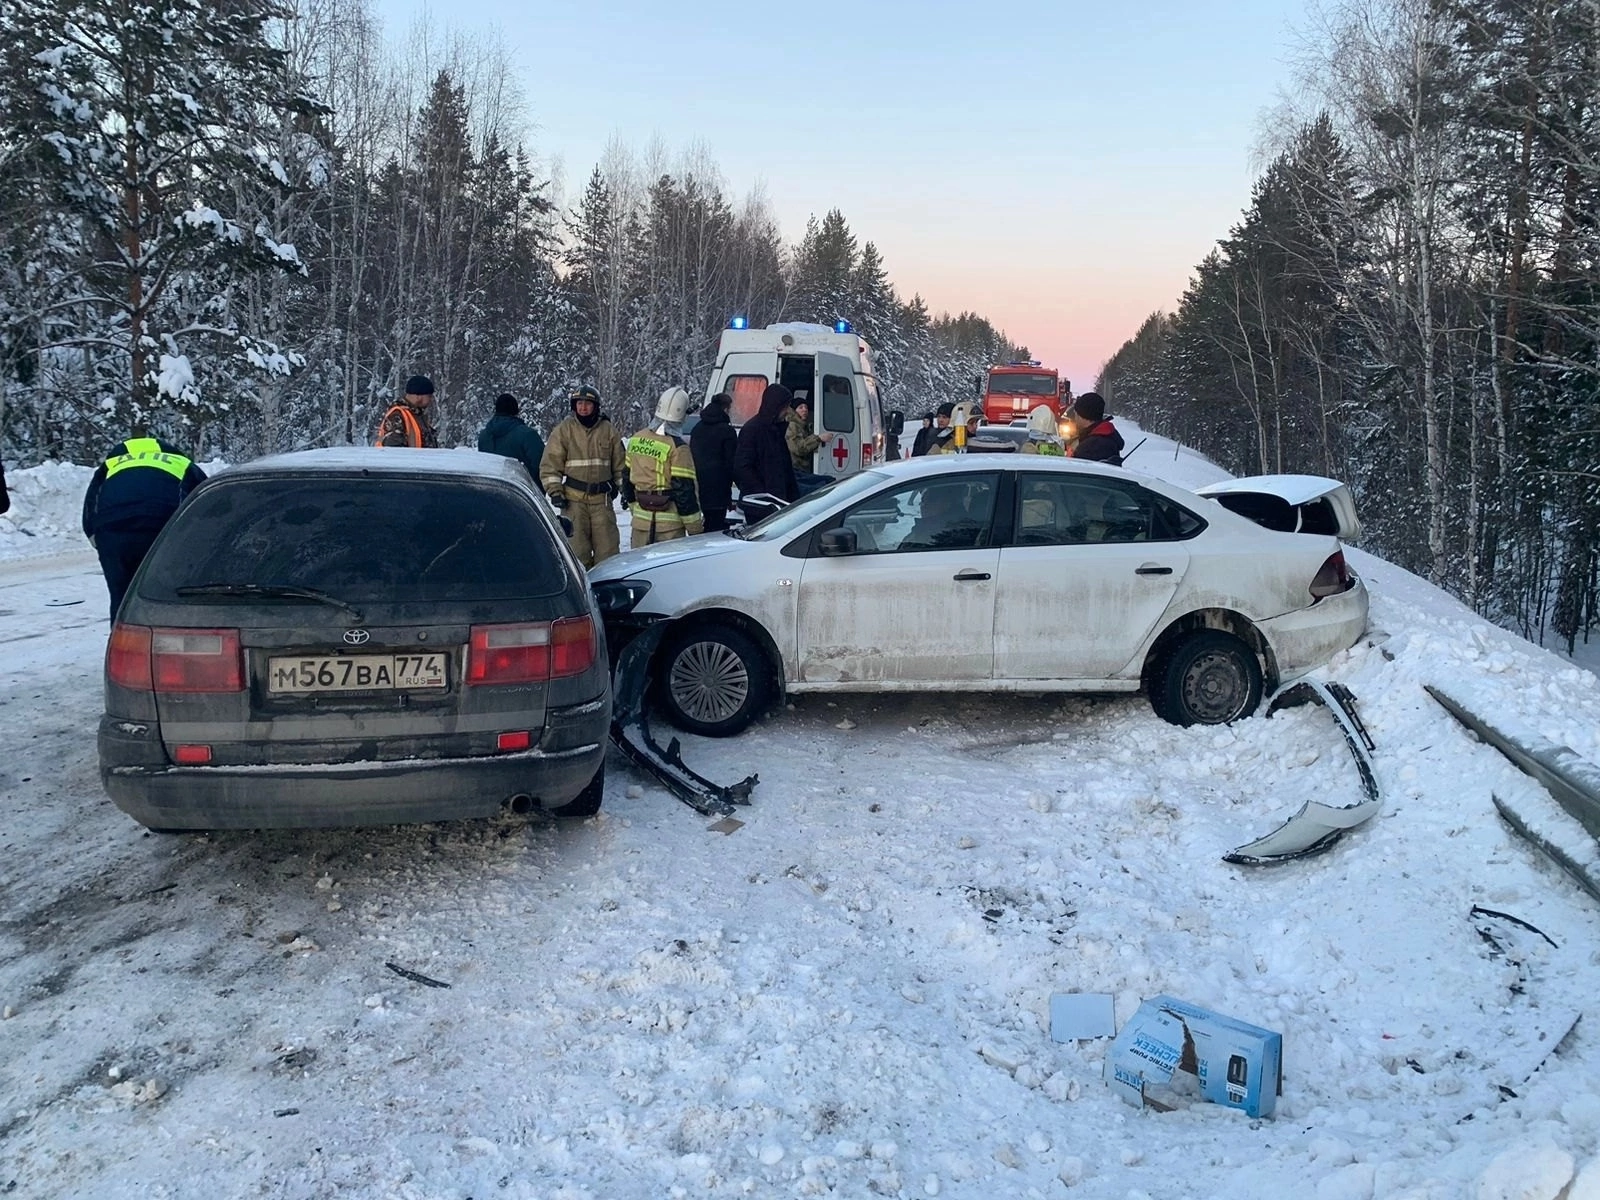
column 841, row 326
column 738, row 323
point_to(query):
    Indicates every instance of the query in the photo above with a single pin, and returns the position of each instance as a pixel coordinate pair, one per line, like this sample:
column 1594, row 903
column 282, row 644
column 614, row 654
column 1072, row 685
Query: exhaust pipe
column 521, row 803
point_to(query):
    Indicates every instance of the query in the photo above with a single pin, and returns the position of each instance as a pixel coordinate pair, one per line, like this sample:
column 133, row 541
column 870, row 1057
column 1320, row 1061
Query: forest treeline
column 1411, row 302
column 245, row 223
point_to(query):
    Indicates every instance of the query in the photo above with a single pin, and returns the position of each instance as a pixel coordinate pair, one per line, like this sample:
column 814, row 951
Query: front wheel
column 1209, row 678
column 713, row 680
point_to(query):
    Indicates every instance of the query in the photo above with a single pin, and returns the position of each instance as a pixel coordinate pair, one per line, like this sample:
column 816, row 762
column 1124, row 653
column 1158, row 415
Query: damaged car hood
column 631, row 562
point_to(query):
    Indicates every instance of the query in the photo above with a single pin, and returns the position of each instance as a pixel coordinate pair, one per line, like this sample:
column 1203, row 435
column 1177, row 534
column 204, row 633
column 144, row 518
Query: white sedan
column 1006, row 574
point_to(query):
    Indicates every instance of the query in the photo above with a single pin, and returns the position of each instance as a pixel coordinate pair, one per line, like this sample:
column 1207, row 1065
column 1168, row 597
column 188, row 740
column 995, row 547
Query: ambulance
column 830, row 367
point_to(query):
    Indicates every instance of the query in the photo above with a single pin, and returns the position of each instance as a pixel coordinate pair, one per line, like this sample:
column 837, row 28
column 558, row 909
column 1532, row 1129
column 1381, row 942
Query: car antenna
column 1139, row 443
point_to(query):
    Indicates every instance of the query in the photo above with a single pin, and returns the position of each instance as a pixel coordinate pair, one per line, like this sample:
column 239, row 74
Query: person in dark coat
column 508, row 435
column 936, row 436
column 761, row 460
column 5, row 496
column 131, row 497
column 712, row 444
column 1095, row 438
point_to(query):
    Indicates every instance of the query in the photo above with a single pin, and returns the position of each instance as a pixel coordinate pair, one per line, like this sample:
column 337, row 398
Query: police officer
column 1044, row 437
column 659, row 485
column 581, row 471
column 130, row 498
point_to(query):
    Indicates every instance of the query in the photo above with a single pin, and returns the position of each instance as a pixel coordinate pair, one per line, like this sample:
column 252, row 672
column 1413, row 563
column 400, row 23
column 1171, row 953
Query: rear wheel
column 1209, row 678
column 587, row 802
column 713, row 680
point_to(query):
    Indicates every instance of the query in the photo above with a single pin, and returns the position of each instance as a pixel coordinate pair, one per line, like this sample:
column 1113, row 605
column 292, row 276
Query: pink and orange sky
column 1058, row 167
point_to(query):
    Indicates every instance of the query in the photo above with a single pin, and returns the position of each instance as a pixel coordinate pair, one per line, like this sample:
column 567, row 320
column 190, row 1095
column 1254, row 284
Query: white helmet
column 673, row 406
column 966, row 412
column 1042, row 423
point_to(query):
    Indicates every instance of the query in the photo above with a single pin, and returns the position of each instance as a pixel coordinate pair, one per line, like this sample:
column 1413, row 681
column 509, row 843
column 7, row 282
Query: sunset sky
column 1059, row 167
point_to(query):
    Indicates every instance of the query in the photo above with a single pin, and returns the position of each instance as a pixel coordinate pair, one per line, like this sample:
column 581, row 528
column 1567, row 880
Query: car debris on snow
column 416, row 976
column 1317, row 826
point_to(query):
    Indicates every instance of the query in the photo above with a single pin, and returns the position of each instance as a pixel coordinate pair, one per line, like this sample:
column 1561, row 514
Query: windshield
column 791, row 520
column 1010, row 384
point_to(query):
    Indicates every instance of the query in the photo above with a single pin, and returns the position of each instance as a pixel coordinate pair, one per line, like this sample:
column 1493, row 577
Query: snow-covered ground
column 846, row 996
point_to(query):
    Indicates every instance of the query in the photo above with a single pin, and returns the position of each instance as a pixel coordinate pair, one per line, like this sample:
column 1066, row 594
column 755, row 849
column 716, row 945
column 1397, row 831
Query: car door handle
column 1152, row 569
column 967, row 576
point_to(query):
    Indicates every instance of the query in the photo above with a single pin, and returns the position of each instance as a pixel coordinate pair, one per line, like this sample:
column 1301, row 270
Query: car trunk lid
column 1290, row 503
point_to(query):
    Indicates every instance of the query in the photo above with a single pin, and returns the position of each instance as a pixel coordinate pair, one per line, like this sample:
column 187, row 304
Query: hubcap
column 1215, row 688
column 708, row 681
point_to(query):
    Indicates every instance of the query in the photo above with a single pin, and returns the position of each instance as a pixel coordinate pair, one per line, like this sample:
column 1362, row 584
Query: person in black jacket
column 712, row 444
column 5, row 496
column 1095, row 438
column 761, row 460
column 130, row 499
column 508, row 435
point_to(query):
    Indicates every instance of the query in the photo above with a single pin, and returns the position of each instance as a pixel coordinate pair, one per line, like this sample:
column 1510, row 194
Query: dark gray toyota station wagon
column 356, row 636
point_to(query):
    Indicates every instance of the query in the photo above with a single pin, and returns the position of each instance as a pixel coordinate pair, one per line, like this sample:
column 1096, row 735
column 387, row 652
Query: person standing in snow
column 5, row 496
column 1043, row 436
column 581, row 473
column 131, row 497
column 761, row 460
column 939, row 433
column 659, row 485
column 1095, row 439
column 508, row 435
column 408, row 423
column 711, row 444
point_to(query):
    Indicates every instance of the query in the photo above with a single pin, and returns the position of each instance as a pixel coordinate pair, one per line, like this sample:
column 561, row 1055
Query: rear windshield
column 361, row 540
column 1022, row 385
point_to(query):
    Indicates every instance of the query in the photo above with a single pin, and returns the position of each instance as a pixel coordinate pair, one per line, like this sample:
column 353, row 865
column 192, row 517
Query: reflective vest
column 409, row 419
column 147, row 452
column 654, row 461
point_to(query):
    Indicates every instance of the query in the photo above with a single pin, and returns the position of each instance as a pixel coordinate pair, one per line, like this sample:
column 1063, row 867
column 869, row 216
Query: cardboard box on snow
column 1238, row 1065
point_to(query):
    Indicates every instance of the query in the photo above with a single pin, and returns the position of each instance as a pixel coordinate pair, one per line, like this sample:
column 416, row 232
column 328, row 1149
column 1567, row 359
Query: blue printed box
column 1237, row 1065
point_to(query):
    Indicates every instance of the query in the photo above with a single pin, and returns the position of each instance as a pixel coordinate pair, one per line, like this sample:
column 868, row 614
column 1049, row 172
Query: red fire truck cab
column 1013, row 390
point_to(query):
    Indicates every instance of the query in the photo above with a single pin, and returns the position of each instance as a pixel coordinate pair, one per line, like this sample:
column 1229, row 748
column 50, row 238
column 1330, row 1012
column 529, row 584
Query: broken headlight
column 618, row 596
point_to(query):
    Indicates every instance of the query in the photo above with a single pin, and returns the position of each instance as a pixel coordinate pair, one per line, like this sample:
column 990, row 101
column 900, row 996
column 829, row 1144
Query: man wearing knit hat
column 408, row 423
column 1095, row 438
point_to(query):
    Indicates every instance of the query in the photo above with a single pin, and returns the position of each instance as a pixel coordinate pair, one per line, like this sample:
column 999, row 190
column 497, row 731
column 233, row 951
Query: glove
column 558, row 500
column 611, row 488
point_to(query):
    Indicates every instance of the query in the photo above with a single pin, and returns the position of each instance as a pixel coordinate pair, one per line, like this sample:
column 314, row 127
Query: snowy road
column 846, row 996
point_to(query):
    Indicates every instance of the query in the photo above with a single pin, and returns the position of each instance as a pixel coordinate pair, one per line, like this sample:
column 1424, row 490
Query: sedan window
column 932, row 514
column 1069, row 510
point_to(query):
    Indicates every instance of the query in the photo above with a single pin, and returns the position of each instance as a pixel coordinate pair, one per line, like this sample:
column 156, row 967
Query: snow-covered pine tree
column 154, row 116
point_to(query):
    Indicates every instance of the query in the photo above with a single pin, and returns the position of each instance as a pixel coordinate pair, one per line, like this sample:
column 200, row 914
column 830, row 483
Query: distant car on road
column 357, row 636
column 1015, row 573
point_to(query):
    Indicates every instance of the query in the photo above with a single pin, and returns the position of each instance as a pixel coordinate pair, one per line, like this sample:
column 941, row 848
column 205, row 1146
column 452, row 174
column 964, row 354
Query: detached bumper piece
column 1316, row 827
column 630, row 730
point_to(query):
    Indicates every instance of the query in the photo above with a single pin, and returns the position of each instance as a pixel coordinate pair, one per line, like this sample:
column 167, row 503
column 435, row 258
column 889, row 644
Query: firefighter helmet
column 1042, row 423
column 673, row 406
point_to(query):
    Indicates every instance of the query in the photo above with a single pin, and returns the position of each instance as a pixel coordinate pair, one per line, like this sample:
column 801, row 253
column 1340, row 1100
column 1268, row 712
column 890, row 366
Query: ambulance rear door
column 840, row 417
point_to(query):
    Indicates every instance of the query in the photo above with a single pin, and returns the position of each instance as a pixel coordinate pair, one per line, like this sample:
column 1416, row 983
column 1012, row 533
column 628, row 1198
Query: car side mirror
column 897, row 422
column 566, row 525
column 836, row 543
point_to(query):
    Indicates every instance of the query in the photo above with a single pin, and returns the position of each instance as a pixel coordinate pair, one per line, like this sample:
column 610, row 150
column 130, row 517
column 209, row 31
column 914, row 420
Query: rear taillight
column 499, row 654
column 1333, row 578
column 128, row 658
column 196, row 660
column 571, row 647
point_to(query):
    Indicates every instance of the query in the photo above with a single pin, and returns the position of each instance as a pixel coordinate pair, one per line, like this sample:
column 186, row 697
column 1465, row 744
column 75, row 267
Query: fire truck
column 1013, row 390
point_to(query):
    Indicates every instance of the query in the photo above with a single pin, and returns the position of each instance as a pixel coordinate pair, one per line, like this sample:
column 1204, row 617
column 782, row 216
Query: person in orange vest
column 407, row 423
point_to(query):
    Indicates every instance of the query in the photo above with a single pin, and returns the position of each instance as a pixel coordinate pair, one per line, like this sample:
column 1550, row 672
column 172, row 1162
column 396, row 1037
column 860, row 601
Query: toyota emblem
column 357, row 637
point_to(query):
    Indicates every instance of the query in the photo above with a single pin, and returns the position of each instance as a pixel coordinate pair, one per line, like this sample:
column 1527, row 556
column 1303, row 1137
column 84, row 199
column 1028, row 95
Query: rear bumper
column 1304, row 640
column 282, row 796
